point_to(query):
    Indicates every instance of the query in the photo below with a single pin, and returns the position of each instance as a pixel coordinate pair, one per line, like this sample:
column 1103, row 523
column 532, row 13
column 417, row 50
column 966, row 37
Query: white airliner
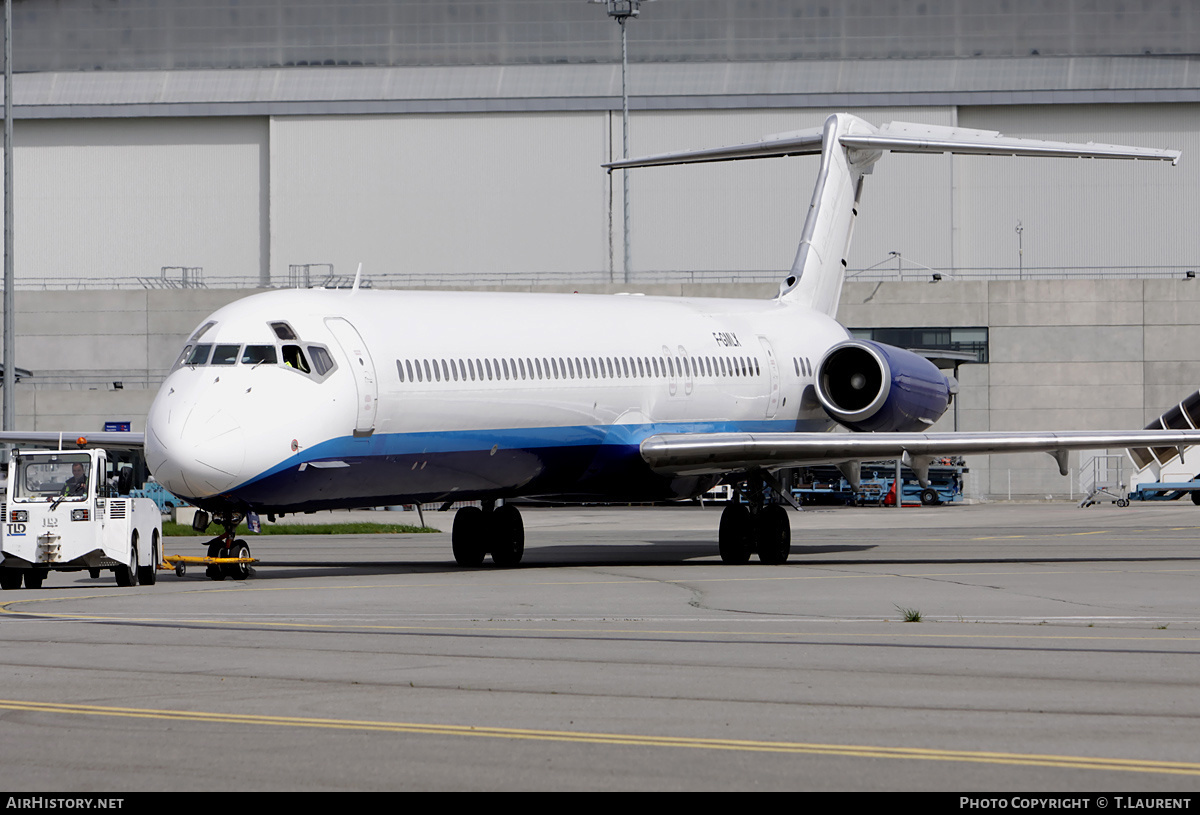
column 299, row 400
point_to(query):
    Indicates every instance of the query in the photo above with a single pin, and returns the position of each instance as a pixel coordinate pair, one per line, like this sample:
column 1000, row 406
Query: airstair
column 1163, row 474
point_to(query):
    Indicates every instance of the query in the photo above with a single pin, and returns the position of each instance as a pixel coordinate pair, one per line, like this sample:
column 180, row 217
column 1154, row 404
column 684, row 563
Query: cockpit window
column 226, row 355
column 199, row 355
column 283, row 331
column 322, row 362
column 187, row 350
column 201, row 331
column 293, row 357
column 259, row 355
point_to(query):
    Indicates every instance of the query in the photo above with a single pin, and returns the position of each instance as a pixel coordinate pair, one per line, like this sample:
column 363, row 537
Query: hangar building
column 171, row 155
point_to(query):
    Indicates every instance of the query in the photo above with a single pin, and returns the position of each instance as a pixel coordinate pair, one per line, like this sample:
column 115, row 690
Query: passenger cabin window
column 513, row 369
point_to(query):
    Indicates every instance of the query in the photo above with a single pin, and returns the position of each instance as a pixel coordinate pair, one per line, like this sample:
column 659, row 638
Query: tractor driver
column 77, row 483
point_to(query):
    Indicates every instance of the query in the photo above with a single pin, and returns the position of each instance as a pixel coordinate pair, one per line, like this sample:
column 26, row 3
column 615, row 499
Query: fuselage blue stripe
column 381, row 445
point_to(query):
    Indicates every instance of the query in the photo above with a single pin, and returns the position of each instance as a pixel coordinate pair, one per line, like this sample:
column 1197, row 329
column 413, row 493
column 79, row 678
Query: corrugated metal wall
column 748, row 214
column 440, row 195
column 125, row 197
column 461, row 195
column 1081, row 213
column 452, row 196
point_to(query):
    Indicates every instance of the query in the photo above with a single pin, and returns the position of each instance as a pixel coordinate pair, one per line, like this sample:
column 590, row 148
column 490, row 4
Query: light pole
column 621, row 11
column 10, row 365
column 1020, row 252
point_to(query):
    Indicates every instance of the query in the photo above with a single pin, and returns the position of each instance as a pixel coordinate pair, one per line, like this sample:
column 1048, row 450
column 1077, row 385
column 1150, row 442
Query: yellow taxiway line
column 620, row 739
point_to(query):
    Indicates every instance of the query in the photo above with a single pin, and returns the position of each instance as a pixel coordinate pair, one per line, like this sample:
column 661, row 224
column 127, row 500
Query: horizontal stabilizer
column 797, row 143
column 903, row 137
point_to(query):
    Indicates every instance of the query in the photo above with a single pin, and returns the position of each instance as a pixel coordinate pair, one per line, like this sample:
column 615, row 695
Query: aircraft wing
column 111, row 440
column 715, row 453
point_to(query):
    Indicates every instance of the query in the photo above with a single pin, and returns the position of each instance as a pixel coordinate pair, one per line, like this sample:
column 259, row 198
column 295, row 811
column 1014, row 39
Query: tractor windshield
column 48, row 476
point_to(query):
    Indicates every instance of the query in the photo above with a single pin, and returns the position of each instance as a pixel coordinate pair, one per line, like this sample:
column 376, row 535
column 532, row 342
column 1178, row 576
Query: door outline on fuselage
column 363, row 367
column 669, row 364
column 773, row 371
column 688, row 373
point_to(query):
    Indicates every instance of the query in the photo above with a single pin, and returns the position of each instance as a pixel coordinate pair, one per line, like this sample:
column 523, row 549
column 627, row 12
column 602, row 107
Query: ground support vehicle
column 70, row 510
column 167, row 501
column 1165, row 491
column 828, row 485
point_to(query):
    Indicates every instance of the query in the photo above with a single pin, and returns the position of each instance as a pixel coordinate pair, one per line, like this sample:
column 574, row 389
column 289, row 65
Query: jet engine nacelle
column 869, row 386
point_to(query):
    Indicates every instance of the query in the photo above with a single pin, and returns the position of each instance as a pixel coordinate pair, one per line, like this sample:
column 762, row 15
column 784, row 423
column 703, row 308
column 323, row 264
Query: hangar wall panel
column 440, row 194
column 748, row 215
column 453, row 196
column 125, row 197
column 1078, row 213
column 459, row 195
column 83, row 410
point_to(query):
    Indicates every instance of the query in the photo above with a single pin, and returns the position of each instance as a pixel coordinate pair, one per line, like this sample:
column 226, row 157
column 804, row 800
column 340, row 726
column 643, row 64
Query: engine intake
column 870, row 386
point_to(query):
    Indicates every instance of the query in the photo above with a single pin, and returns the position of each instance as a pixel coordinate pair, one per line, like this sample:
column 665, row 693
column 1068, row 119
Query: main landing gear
column 226, row 545
column 491, row 530
column 754, row 527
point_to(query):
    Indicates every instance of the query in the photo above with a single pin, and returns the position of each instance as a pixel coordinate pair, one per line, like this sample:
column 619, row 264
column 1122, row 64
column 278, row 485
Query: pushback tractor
column 70, row 510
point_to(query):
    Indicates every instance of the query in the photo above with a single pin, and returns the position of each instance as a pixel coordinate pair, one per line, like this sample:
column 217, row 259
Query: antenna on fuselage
column 357, row 278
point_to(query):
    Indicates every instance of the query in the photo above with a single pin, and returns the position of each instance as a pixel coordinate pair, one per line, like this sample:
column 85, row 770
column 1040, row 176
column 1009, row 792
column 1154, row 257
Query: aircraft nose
column 195, row 453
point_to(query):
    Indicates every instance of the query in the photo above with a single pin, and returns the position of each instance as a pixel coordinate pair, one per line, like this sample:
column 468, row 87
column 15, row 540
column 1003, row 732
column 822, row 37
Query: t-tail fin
column 820, row 265
column 849, row 148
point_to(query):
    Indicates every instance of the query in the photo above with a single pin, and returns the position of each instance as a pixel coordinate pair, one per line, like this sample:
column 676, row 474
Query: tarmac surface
column 1058, row 650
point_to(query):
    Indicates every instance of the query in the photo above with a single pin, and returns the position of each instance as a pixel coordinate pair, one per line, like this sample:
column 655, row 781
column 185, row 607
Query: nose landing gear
column 233, row 554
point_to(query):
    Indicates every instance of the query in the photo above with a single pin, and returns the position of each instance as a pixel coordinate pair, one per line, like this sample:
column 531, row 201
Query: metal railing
column 94, row 380
column 875, row 275
column 323, row 276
